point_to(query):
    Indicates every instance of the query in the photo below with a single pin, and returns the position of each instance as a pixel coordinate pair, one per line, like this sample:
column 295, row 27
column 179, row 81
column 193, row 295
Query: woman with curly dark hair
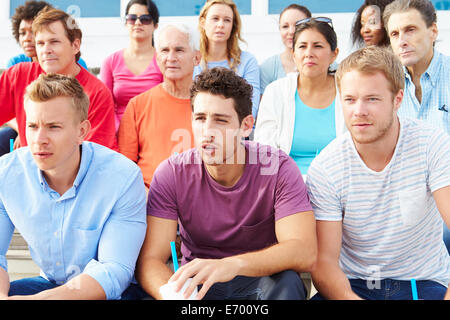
column 368, row 28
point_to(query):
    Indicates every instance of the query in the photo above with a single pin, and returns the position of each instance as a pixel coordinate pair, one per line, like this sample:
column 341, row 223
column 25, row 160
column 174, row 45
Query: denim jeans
column 389, row 289
column 6, row 134
column 30, row 286
column 135, row 292
column 286, row 285
column 447, row 237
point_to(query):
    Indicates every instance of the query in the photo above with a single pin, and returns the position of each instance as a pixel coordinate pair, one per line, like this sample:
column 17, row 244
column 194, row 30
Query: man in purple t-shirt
column 246, row 224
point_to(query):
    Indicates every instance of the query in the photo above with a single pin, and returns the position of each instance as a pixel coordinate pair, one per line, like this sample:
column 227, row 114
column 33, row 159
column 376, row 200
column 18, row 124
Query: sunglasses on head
column 145, row 19
column 318, row 19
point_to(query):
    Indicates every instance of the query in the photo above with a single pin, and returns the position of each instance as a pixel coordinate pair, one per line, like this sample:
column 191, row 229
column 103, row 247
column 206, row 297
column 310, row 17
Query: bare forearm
column 151, row 275
column 4, row 283
column 287, row 255
column 447, row 295
column 332, row 283
column 13, row 125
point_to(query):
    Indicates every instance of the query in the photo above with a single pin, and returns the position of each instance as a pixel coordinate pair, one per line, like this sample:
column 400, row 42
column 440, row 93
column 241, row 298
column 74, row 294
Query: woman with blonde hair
column 220, row 33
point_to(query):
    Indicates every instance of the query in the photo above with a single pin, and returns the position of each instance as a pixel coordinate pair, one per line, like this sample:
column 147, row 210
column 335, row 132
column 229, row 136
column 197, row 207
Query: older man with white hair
column 157, row 123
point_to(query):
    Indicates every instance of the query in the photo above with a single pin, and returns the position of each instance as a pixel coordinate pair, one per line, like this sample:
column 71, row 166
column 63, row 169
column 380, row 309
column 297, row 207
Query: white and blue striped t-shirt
column 391, row 225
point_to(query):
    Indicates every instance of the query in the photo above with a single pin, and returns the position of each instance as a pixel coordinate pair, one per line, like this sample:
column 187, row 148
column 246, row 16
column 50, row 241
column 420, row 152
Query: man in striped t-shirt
column 380, row 192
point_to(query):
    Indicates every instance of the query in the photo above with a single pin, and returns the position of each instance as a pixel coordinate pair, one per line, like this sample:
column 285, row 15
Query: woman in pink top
column 133, row 70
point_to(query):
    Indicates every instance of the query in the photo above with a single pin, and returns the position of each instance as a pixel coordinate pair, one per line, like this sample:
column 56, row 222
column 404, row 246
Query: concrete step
column 20, row 264
column 17, row 242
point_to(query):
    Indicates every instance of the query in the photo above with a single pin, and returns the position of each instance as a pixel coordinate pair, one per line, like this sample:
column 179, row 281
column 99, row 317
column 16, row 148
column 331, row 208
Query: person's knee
column 287, row 286
column 6, row 134
column 29, row 286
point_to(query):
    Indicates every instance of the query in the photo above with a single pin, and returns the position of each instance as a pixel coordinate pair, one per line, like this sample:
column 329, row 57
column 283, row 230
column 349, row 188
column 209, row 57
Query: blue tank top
column 314, row 129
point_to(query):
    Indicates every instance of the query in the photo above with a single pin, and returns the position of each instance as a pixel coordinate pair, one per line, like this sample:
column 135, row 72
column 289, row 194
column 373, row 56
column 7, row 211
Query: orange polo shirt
column 154, row 126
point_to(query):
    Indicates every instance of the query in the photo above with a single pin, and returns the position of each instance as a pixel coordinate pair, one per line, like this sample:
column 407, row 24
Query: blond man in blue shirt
column 80, row 206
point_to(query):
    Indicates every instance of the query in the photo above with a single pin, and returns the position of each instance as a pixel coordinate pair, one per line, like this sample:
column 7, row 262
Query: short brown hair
column 224, row 82
column 370, row 60
column 26, row 12
column 48, row 16
column 425, row 8
column 50, row 86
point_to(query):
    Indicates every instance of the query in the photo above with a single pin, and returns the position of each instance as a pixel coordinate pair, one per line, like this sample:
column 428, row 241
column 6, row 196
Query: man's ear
column 197, row 57
column 434, row 31
column 84, row 128
column 76, row 45
column 398, row 100
column 247, row 125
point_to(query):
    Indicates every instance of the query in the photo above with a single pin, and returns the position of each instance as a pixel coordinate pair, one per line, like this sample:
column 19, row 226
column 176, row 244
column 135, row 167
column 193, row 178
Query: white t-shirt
column 391, row 225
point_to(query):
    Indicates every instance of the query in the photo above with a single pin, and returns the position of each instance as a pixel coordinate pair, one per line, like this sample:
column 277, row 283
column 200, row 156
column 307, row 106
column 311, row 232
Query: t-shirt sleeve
column 102, row 119
column 251, row 75
column 324, row 199
column 7, row 108
column 128, row 133
column 438, row 158
column 106, row 74
column 290, row 195
column 162, row 201
column 266, row 74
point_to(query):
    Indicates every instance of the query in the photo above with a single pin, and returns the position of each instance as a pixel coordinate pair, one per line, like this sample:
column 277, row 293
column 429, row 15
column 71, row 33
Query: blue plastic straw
column 414, row 289
column 11, row 145
column 174, row 256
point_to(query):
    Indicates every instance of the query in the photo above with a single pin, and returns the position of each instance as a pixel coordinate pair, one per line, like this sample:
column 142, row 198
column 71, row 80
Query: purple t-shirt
column 217, row 221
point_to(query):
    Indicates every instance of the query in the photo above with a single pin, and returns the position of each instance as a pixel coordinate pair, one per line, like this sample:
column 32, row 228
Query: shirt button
column 58, row 263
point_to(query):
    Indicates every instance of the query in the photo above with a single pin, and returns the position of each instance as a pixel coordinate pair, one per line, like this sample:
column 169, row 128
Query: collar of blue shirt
column 432, row 71
column 86, row 158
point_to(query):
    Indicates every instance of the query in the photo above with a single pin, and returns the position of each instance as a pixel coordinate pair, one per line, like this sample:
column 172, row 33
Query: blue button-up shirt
column 435, row 84
column 97, row 227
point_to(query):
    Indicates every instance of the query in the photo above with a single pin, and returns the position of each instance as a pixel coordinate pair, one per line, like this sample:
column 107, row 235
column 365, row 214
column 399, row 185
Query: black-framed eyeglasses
column 145, row 19
column 318, row 19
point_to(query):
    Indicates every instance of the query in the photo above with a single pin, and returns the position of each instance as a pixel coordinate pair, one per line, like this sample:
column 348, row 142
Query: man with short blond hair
column 380, row 192
column 84, row 211
column 58, row 41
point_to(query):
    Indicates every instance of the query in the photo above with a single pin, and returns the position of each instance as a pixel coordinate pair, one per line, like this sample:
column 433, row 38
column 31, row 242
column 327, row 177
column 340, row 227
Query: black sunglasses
column 145, row 19
column 318, row 19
